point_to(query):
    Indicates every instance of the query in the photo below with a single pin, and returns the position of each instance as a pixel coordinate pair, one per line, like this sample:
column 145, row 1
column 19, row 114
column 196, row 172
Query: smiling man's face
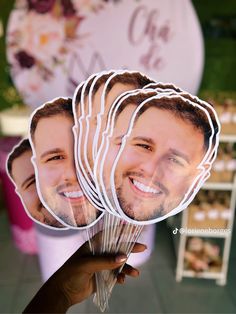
column 158, row 164
column 54, row 147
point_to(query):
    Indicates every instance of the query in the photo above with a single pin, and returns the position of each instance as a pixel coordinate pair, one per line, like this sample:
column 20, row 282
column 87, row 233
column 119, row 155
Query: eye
column 31, row 182
column 175, row 160
column 57, row 157
column 144, row 146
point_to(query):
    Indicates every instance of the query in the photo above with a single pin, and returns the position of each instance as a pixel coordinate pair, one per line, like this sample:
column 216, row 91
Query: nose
column 70, row 172
column 152, row 168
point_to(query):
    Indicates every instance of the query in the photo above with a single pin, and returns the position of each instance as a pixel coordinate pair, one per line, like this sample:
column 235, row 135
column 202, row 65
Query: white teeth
column 73, row 194
column 144, row 188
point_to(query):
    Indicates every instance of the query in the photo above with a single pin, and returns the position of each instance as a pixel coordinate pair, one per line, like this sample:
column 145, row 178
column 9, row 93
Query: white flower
column 42, row 35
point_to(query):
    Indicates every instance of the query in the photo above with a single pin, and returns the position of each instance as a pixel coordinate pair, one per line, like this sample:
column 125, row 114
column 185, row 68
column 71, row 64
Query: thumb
column 97, row 263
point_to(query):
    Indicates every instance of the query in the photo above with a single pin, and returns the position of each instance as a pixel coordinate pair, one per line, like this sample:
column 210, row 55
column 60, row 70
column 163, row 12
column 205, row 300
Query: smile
column 73, row 194
column 145, row 189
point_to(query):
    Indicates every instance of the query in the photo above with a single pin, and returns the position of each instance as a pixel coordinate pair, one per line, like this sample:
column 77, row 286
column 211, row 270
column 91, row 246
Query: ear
column 207, row 167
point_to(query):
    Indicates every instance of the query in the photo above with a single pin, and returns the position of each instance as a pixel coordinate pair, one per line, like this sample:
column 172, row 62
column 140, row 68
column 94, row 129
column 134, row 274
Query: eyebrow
column 50, row 152
column 31, row 177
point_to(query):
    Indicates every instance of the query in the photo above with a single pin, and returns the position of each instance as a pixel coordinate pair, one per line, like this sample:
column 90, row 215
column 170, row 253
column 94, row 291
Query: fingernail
column 144, row 245
column 121, row 258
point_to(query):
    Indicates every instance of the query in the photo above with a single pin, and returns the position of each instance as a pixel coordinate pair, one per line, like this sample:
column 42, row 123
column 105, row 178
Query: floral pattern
column 24, row 59
column 41, row 6
column 52, row 45
column 40, row 38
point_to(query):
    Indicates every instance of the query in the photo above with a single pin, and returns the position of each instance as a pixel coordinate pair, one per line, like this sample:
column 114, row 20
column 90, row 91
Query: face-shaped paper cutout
column 21, row 172
column 163, row 159
column 52, row 142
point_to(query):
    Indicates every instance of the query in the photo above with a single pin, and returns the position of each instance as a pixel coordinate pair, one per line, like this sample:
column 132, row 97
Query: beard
column 72, row 215
column 54, row 204
column 53, row 222
column 85, row 214
column 136, row 210
column 49, row 219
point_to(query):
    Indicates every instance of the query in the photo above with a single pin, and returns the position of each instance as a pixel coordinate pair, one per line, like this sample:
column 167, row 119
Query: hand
column 76, row 278
column 74, row 281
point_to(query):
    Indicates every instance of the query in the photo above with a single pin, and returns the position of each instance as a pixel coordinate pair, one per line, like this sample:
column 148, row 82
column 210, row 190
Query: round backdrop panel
column 53, row 45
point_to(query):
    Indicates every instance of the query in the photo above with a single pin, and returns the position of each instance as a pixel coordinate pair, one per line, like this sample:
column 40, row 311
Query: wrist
column 49, row 299
column 58, row 296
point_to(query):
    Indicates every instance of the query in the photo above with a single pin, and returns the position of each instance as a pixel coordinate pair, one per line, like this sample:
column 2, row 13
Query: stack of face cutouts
column 125, row 152
column 142, row 149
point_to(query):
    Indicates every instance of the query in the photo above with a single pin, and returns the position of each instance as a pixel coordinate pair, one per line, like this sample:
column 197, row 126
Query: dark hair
column 184, row 110
column 20, row 149
column 163, row 86
column 59, row 106
column 209, row 109
column 78, row 94
column 136, row 79
column 101, row 80
column 136, row 99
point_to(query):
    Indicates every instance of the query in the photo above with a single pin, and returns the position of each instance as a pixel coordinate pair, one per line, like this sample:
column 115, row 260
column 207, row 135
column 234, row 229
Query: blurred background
column 46, row 49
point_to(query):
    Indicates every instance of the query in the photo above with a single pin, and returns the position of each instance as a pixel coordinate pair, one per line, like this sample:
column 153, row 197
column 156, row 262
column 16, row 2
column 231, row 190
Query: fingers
column 138, row 248
column 121, row 278
column 130, row 271
column 97, row 263
column 127, row 270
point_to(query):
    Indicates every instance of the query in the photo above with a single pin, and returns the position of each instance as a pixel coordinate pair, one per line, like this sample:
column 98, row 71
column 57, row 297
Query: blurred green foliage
column 218, row 21
column 8, row 93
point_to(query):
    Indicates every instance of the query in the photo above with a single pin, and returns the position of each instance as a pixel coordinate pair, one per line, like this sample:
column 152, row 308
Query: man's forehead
column 52, row 120
column 22, row 167
column 155, row 113
column 117, row 89
column 25, row 157
column 166, row 121
column 51, row 130
column 125, row 114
